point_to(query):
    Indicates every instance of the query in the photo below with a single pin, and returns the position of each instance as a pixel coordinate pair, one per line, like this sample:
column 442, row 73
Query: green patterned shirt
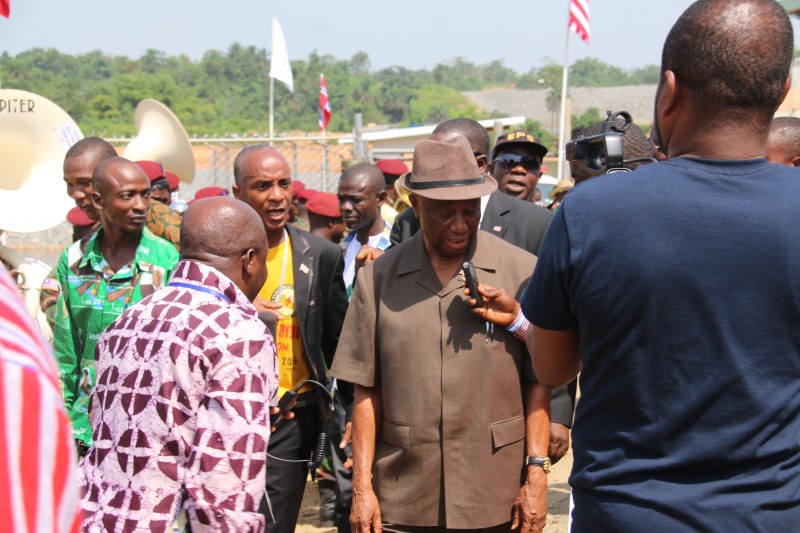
column 92, row 297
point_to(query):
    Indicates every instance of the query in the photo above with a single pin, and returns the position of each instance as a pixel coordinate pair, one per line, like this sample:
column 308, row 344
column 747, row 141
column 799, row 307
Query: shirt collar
column 94, row 256
column 203, row 275
column 480, row 254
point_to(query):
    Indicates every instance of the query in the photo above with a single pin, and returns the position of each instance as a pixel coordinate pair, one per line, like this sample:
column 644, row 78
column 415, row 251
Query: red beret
column 325, row 204
column 173, row 181
column 77, row 217
column 394, row 167
column 208, row 192
column 153, row 170
column 297, row 187
column 306, row 194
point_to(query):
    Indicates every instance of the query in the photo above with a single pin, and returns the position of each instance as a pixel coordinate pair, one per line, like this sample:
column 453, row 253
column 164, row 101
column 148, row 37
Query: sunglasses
column 510, row 161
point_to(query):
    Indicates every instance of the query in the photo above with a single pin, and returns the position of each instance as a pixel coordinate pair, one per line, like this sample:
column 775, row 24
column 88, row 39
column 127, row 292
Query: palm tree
column 553, row 103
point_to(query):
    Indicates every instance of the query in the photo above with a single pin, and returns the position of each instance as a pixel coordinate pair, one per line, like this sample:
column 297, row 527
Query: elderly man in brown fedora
column 450, row 424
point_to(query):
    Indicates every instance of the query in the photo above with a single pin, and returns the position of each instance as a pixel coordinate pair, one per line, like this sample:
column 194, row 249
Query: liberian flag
column 5, row 8
column 324, row 104
column 579, row 18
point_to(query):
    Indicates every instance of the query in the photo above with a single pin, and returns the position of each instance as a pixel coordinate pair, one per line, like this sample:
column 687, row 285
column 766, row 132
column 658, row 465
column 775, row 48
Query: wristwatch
column 538, row 461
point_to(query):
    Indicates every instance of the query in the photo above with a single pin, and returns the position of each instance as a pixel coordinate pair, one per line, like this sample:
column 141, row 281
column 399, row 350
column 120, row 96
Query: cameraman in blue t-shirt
column 681, row 310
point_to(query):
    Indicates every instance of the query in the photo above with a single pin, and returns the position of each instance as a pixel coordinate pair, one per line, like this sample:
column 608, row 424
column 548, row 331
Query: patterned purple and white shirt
column 180, row 411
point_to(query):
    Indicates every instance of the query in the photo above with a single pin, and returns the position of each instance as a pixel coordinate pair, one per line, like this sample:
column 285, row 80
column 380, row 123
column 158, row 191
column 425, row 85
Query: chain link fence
column 316, row 161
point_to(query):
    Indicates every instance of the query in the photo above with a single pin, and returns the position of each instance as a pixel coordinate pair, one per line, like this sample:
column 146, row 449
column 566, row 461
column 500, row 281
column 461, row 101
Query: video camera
column 604, row 150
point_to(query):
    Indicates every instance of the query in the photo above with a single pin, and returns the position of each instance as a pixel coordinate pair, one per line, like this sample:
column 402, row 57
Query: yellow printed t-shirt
column 293, row 368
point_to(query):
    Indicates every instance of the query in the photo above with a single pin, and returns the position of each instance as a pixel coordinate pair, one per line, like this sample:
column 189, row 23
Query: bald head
column 264, row 151
column 476, row 135
column 228, row 235
column 783, row 142
column 732, row 55
column 94, row 146
column 220, row 227
column 111, row 170
column 370, row 175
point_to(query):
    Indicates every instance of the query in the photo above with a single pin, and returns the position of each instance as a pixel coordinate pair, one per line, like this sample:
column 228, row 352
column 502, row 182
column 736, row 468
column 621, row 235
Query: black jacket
column 320, row 298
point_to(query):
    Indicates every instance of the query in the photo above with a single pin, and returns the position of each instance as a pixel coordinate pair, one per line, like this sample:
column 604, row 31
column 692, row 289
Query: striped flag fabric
column 5, row 8
column 324, row 104
column 38, row 471
column 579, row 18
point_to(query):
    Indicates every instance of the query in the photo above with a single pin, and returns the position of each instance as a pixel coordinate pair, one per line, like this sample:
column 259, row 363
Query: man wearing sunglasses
column 517, row 163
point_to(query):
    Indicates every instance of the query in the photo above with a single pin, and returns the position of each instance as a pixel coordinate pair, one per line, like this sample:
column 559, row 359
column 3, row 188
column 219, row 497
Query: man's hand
column 365, row 515
column 346, row 438
column 288, row 414
column 366, row 255
column 559, row 442
column 530, row 505
column 499, row 307
column 262, row 304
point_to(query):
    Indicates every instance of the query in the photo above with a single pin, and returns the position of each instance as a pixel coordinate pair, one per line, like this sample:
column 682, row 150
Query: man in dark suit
column 305, row 291
column 520, row 223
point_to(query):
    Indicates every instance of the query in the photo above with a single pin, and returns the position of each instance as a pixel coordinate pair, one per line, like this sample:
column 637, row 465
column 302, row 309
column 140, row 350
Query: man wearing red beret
column 208, row 192
column 324, row 217
column 159, row 183
column 392, row 169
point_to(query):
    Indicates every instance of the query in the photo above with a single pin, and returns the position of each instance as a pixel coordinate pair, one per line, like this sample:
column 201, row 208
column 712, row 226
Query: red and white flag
column 324, row 104
column 579, row 18
column 5, row 8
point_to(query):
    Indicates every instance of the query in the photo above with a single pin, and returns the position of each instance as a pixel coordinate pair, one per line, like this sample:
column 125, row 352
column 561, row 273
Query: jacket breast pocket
column 396, row 434
column 508, row 431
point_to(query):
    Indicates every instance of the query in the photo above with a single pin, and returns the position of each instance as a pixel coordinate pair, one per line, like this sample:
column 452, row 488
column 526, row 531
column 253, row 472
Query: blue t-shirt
column 683, row 279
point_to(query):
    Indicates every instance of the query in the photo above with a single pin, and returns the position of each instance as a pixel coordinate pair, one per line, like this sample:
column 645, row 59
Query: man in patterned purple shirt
column 180, row 411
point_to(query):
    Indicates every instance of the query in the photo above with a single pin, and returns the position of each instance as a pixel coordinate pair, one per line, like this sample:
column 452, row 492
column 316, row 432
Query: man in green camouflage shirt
column 102, row 275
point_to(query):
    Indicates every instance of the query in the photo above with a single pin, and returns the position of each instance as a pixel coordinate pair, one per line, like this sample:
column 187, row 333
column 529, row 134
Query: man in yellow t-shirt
column 305, row 289
column 279, row 289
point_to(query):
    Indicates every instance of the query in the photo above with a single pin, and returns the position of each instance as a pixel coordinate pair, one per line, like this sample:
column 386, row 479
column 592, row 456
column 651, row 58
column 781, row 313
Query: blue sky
column 410, row 33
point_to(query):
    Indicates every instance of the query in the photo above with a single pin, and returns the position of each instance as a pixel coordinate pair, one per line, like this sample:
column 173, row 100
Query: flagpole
column 271, row 124
column 324, row 160
column 563, row 123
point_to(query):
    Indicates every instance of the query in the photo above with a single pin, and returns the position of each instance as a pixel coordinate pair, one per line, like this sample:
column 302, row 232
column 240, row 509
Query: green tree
column 436, row 103
column 590, row 116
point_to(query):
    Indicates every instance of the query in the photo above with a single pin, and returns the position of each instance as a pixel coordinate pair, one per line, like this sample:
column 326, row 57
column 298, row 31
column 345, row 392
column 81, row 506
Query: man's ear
column 796, row 161
column 236, row 191
column 668, row 96
column 786, row 87
column 483, row 163
column 97, row 200
column 414, row 204
column 249, row 263
column 381, row 197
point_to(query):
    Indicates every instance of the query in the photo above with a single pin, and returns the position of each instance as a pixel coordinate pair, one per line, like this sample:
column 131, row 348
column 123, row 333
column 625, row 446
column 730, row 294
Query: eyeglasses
column 510, row 161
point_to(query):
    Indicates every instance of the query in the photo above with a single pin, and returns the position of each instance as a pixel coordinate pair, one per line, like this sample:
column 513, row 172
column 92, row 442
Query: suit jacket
column 452, row 403
column 523, row 224
column 320, row 298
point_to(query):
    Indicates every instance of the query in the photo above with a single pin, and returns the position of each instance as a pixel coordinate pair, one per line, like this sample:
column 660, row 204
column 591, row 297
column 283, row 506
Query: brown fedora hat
column 446, row 170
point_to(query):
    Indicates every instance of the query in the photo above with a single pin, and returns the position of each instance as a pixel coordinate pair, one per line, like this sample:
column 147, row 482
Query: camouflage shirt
column 92, row 297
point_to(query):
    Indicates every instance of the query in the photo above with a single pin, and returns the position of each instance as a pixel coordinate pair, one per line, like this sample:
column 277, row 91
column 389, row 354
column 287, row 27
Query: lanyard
column 286, row 252
column 207, row 290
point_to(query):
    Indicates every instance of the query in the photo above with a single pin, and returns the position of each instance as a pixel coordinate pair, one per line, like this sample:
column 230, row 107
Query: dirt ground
column 557, row 502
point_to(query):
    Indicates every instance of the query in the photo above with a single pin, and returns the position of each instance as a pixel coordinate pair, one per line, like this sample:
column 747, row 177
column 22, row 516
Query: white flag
column 279, row 67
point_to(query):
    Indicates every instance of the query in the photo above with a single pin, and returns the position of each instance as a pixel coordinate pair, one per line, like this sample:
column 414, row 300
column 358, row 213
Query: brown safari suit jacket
column 450, row 447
